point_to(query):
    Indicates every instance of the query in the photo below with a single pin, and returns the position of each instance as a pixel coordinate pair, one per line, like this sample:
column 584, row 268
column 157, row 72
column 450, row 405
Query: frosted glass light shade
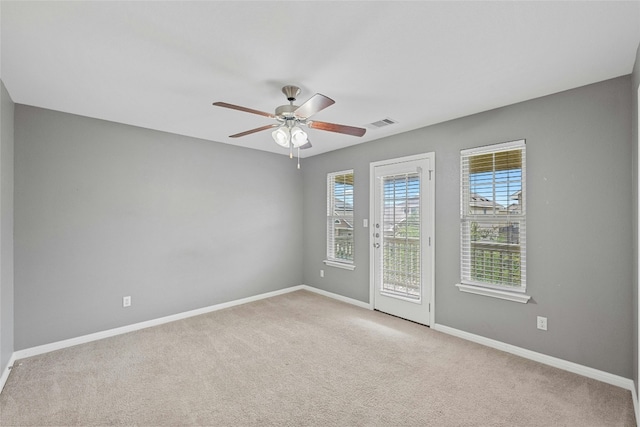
column 298, row 137
column 281, row 136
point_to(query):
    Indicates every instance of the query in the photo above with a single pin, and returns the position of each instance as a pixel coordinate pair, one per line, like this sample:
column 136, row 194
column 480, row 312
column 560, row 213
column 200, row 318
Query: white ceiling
column 160, row 65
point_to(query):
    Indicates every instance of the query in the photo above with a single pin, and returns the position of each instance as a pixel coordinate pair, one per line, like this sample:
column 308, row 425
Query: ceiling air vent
column 382, row 123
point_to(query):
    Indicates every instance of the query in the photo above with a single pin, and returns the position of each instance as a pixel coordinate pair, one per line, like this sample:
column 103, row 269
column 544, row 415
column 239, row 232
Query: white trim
column 637, row 285
column 348, row 300
column 402, row 159
column 606, row 377
column 372, row 217
column 7, row 370
column 494, row 148
column 41, row 349
column 339, row 265
column 468, row 219
column 634, row 397
column 338, row 173
column 431, row 156
column 46, row 348
column 565, row 365
column 331, row 217
column 494, row 293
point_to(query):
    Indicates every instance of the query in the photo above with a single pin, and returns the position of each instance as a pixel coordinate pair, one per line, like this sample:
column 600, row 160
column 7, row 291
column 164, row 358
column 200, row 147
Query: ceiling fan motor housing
column 291, row 92
column 285, row 112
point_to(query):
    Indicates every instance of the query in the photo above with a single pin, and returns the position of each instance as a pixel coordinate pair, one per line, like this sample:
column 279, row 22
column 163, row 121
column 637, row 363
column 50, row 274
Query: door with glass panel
column 402, row 242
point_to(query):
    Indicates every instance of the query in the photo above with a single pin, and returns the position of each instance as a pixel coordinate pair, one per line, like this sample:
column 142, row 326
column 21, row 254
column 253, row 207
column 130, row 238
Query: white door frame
column 637, row 284
column 431, row 210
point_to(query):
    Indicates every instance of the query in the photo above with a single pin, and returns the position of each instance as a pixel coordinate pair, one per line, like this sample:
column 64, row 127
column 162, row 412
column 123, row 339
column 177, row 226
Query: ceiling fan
column 290, row 119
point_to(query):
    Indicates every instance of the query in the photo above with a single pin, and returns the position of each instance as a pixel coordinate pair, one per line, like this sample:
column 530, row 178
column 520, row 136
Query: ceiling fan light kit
column 281, row 136
column 289, row 133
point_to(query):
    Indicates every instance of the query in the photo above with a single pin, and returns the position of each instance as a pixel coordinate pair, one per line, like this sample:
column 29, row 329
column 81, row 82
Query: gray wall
column 635, row 83
column 579, row 243
column 6, row 227
column 104, row 210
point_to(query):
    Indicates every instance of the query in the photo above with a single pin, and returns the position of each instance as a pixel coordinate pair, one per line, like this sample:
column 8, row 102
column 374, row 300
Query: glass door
column 402, row 238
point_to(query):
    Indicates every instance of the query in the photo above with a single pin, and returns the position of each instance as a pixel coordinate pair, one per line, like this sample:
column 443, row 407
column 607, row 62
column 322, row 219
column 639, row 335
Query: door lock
column 376, row 245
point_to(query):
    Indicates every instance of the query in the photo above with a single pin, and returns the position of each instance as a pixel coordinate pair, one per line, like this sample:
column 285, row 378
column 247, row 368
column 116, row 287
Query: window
column 493, row 219
column 340, row 240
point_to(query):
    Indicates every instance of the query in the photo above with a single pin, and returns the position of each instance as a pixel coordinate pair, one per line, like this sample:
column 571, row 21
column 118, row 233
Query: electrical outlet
column 365, row 223
column 126, row 301
column 542, row 323
column 321, row 273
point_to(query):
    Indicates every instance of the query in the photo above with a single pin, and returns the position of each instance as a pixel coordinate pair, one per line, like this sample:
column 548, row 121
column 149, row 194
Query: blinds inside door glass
column 401, row 269
column 493, row 226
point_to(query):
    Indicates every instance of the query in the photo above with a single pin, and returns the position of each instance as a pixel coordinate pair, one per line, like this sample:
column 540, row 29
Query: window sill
column 494, row 293
column 340, row 265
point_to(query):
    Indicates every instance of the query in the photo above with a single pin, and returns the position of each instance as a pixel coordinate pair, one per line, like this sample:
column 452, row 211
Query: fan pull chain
column 298, row 157
column 290, row 150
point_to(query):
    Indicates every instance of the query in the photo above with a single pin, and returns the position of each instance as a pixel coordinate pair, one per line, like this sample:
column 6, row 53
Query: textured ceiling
column 160, row 65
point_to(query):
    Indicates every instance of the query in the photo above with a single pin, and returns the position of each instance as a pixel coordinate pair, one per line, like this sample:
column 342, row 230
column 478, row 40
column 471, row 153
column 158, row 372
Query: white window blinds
column 493, row 216
column 340, row 239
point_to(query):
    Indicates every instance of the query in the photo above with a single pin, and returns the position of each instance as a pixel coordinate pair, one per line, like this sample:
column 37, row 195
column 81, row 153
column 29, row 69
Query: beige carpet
column 300, row 359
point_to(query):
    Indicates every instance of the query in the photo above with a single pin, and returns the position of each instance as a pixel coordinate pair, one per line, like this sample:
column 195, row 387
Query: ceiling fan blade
column 305, row 146
column 245, row 109
column 249, row 132
column 314, row 104
column 333, row 127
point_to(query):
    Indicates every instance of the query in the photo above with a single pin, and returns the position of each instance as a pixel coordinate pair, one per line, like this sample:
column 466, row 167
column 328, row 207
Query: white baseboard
column 585, row 371
column 596, row 374
column 6, row 371
column 634, row 396
column 46, row 348
column 337, row 297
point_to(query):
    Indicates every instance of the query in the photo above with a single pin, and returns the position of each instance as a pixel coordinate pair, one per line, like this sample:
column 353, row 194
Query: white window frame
column 334, row 259
column 467, row 218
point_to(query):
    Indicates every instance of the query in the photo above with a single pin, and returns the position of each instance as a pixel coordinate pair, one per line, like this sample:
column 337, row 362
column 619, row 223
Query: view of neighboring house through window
column 340, row 217
column 493, row 218
column 401, row 235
